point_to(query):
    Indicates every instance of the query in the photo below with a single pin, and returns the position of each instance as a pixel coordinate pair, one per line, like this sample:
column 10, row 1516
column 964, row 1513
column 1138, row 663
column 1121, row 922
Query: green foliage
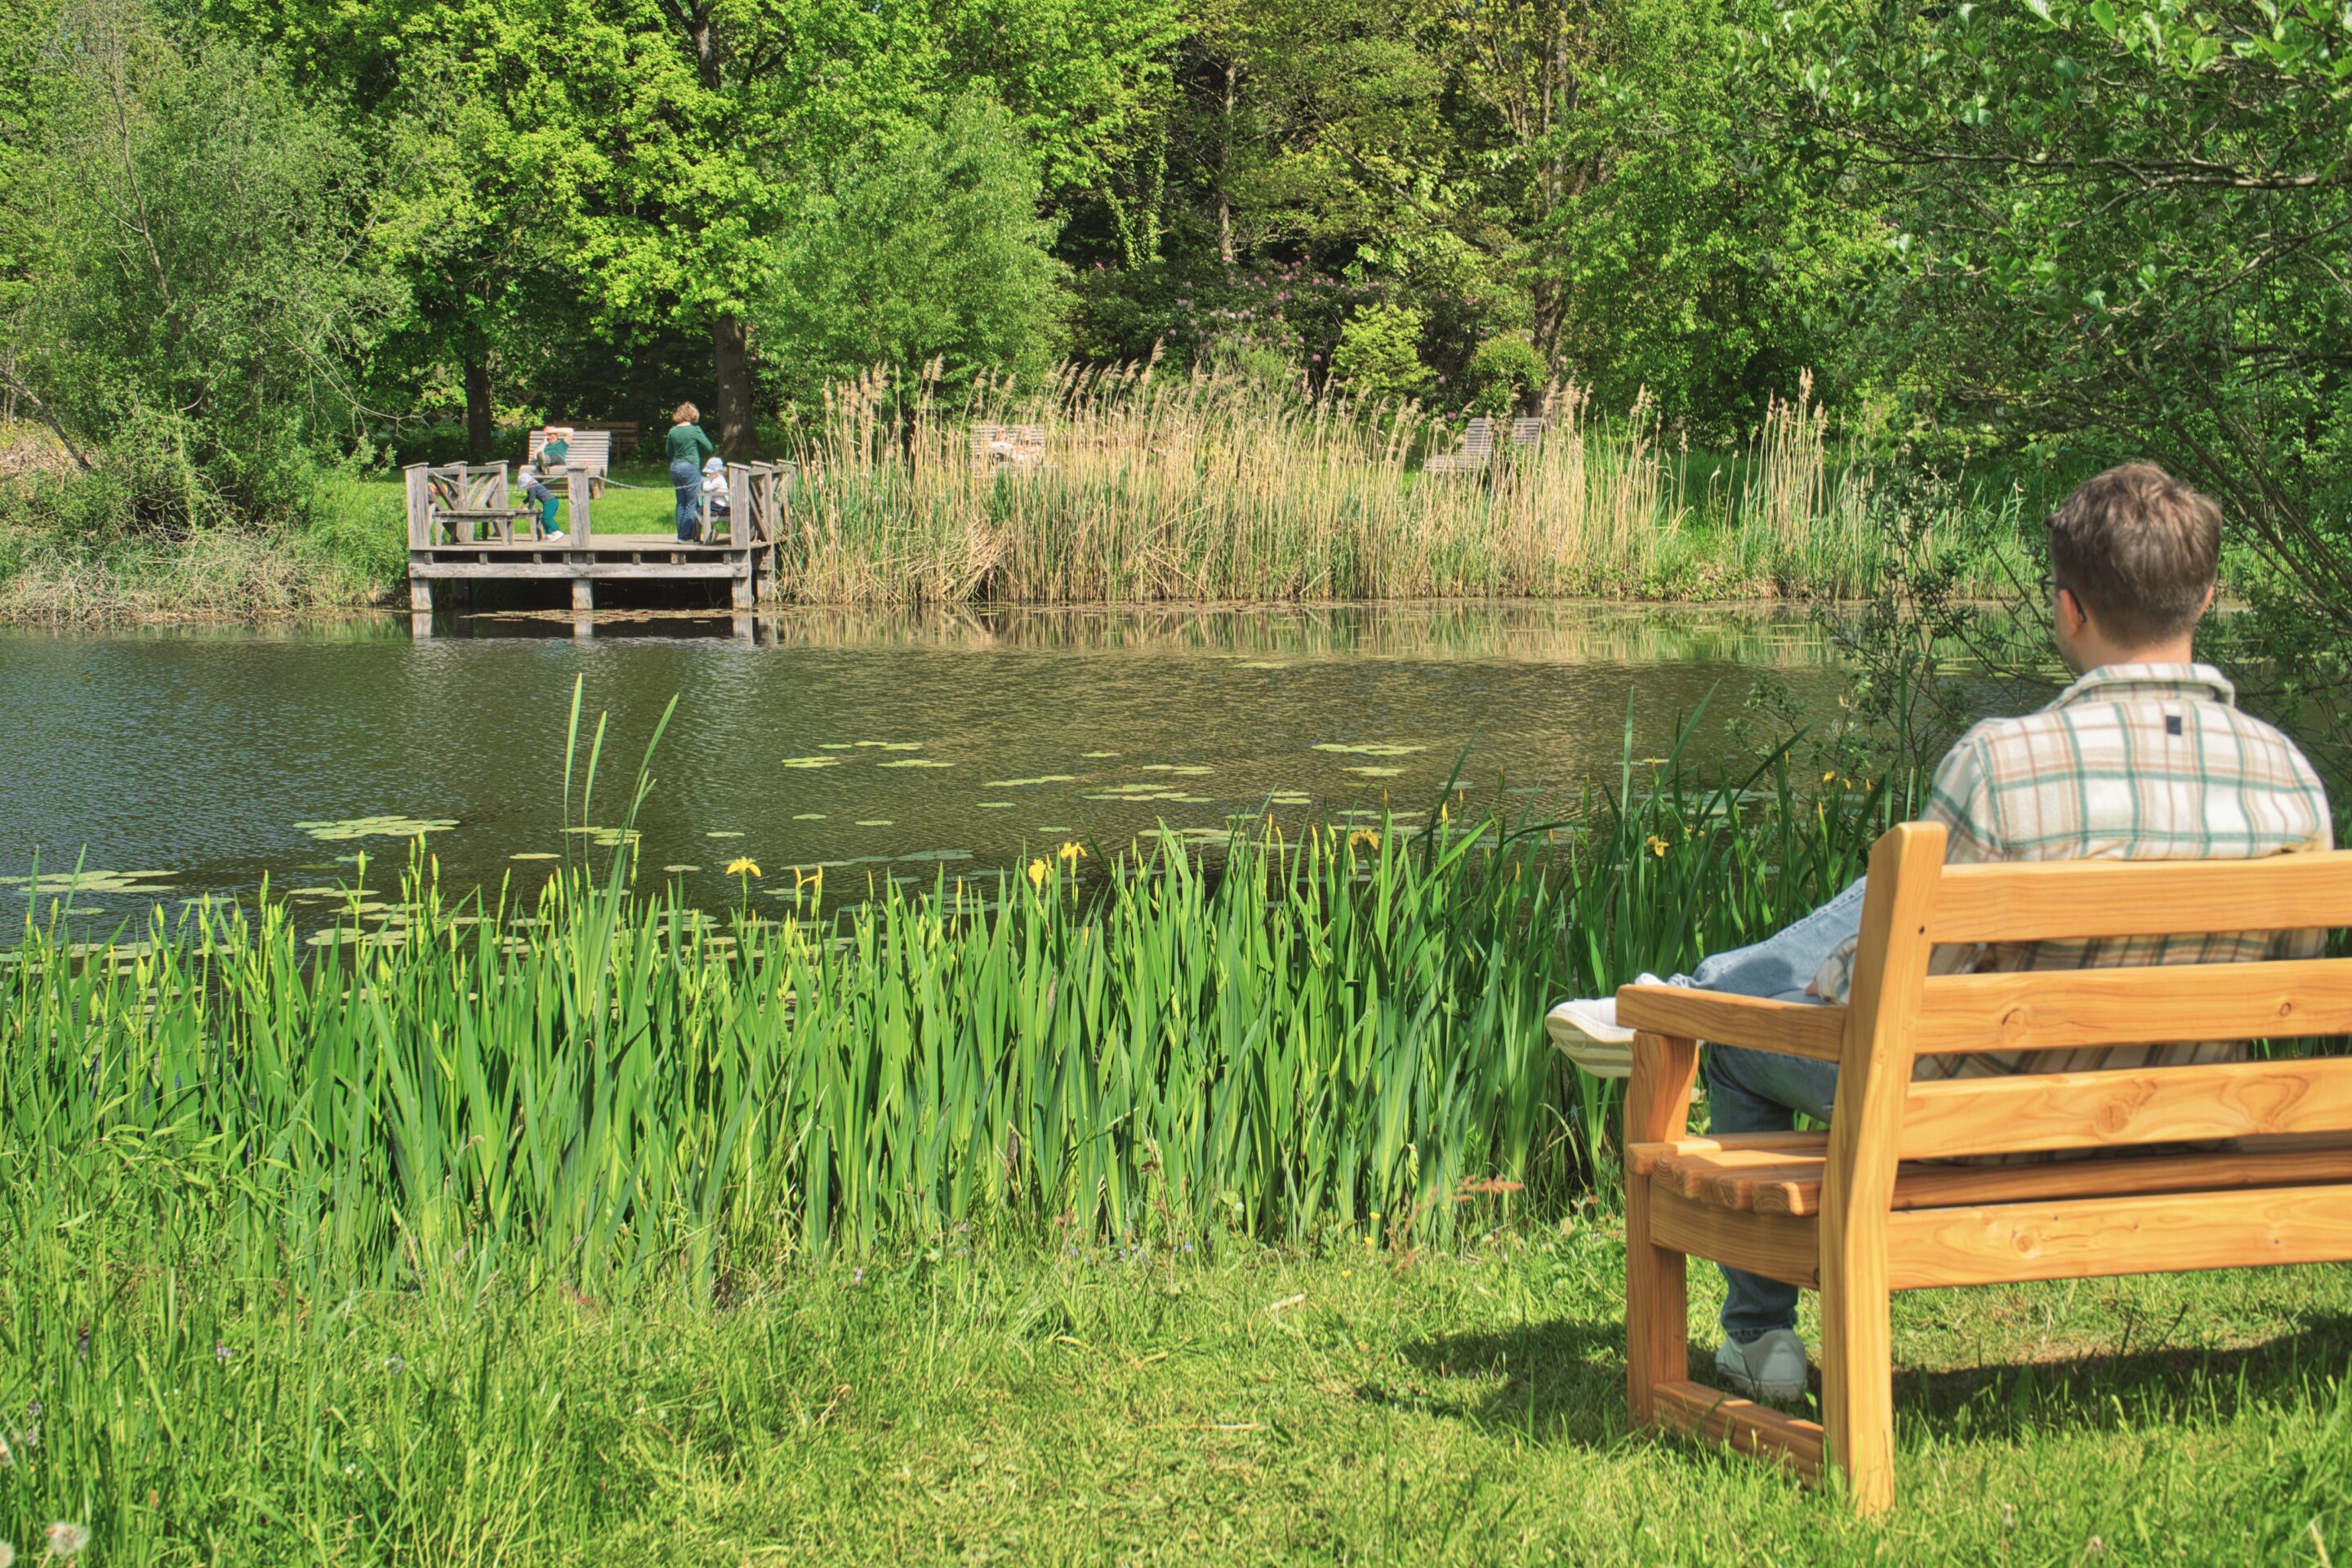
column 1504, row 376
column 2112, row 231
column 1379, row 354
column 190, row 307
column 927, row 249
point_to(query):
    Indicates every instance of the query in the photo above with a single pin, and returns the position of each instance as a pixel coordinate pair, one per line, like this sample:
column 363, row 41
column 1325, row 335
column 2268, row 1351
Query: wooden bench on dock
column 1018, row 446
column 452, row 508
column 1875, row 1205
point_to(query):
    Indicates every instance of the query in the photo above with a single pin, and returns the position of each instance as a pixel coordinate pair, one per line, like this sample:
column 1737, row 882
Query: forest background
column 249, row 244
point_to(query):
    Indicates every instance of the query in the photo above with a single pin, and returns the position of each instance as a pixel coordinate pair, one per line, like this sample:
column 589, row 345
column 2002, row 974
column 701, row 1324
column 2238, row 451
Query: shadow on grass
column 1564, row 1383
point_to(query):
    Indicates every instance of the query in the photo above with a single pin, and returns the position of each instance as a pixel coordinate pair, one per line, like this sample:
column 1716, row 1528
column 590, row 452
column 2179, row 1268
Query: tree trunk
column 1225, row 157
column 730, row 364
column 480, row 432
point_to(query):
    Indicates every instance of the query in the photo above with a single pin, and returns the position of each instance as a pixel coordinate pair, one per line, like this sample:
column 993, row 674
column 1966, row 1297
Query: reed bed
column 1318, row 1031
column 1165, row 489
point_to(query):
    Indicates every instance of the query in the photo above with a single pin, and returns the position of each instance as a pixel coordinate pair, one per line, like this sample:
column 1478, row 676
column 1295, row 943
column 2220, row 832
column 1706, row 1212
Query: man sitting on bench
column 2146, row 756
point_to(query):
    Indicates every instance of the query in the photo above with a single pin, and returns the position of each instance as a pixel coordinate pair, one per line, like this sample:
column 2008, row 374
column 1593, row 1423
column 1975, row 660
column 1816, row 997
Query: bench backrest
column 1526, row 432
column 1479, row 438
column 1899, row 1012
column 591, row 450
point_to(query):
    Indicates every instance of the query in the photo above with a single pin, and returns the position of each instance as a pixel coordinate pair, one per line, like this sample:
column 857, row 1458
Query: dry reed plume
column 1205, row 488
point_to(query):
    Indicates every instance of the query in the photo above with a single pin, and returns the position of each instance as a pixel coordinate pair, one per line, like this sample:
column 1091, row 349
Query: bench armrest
column 1788, row 1028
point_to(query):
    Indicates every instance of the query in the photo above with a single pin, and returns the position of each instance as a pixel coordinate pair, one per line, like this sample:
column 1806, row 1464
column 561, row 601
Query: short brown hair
column 2139, row 549
column 687, row 414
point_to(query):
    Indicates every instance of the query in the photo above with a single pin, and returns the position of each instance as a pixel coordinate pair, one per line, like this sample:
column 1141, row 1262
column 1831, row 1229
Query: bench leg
column 1858, row 1385
column 1657, row 1304
column 1657, row 1311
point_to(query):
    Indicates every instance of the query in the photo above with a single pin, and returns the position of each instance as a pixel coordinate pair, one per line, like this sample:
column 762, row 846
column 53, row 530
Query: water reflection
column 891, row 745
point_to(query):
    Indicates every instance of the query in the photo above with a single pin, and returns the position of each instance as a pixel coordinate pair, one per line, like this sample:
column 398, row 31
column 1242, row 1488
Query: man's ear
column 2071, row 616
column 2211, row 591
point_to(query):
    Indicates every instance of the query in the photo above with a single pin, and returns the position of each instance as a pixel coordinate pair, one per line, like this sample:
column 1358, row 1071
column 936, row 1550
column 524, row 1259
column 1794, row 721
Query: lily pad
column 1377, row 772
column 1040, row 779
column 681, row 870
column 1191, row 770
column 918, row 762
column 383, row 826
column 812, row 762
column 1096, row 756
column 874, row 822
column 995, row 804
column 97, row 884
column 1370, row 749
column 722, row 835
column 534, row 854
column 808, row 816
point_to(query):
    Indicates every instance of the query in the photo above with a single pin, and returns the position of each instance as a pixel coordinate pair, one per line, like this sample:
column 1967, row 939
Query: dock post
column 742, row 586
column 420, row 606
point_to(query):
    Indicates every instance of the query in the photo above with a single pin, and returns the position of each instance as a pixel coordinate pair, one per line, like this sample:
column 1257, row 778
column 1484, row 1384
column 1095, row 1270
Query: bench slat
column 2087, row 1238
column 2060, row 898
column 1747, row 1427
column 2051, row 1009
column 1788, row 1180
column 2036, row 1111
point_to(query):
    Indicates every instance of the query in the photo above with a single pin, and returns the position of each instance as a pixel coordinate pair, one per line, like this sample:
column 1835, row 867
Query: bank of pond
column 1335, row 1030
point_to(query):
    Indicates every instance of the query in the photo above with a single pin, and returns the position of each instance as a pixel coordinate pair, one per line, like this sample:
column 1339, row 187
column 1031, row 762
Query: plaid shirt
column 2133, row 761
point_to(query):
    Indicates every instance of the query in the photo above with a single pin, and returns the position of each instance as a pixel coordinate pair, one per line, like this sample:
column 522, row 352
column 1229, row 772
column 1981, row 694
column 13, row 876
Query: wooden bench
column 461, row 499
column 588, row 450
column 1478, row 449
column 1860, row 1212
column 1526, row 432
column 1019, row 446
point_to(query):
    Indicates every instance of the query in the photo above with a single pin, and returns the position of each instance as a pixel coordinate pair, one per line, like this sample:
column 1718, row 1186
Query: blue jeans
column 686, row 480
column 1759, row 1091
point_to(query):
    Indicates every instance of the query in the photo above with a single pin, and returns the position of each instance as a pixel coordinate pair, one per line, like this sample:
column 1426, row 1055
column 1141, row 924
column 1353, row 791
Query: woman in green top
column 688, row 447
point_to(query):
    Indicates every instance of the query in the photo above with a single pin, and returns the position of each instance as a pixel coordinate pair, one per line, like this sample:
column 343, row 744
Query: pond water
column 204, row 761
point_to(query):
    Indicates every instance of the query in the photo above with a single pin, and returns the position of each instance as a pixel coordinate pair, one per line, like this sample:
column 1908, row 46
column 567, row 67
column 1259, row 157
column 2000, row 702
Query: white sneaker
column 1769, row 1366
column 1586, row 1030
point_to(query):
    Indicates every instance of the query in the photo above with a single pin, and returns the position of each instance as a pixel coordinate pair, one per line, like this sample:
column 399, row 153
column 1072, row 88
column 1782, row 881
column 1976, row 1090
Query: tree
column 928, row 251
column 192, row 301
column 2116, row 226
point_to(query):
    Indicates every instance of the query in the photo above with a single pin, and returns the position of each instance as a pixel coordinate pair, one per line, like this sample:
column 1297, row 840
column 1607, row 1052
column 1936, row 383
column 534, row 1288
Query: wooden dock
column 464, row 528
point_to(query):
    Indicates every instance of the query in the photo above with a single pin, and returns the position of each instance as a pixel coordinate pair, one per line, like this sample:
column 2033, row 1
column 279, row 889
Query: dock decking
column 464, row 528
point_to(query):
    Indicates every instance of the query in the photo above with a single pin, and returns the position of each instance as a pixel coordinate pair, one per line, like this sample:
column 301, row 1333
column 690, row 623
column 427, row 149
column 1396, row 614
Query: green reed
column 1318, row 1031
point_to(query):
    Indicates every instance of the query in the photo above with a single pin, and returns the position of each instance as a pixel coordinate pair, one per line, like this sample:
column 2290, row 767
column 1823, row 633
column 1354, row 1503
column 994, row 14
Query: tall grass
column 1157, row 488
column 1320, row 1031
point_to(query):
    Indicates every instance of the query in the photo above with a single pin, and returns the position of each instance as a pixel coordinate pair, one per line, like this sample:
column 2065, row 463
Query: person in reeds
column 2146, row 756
column 688, row 447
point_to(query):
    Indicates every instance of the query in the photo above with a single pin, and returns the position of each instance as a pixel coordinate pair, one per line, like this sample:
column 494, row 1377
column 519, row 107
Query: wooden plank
column 1644, row 1157
column 1657, row 1304
column 2055, row 899
column 2039, row 1111
column 1779, row 1247
column 1797, row 1191
column 2061, row 1008
column 1727, row 1177
column 1789, row 1029
column 1906, row 867
column 1741, row 1424
column 601, row 571
column 2082, row 1238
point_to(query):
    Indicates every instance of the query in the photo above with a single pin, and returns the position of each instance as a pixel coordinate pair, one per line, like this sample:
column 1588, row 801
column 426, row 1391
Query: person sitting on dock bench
column 535, row 491
column 687, row 447
column 2146, row 756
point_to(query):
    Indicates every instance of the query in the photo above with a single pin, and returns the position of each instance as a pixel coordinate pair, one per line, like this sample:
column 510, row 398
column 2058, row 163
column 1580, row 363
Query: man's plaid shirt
column 2133, row 761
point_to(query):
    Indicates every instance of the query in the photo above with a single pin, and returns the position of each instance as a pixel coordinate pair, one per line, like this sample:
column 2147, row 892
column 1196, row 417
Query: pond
column 876, row 747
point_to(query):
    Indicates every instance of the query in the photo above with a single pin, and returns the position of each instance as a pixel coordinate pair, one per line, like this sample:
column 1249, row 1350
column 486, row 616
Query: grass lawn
column 1025, row 1407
